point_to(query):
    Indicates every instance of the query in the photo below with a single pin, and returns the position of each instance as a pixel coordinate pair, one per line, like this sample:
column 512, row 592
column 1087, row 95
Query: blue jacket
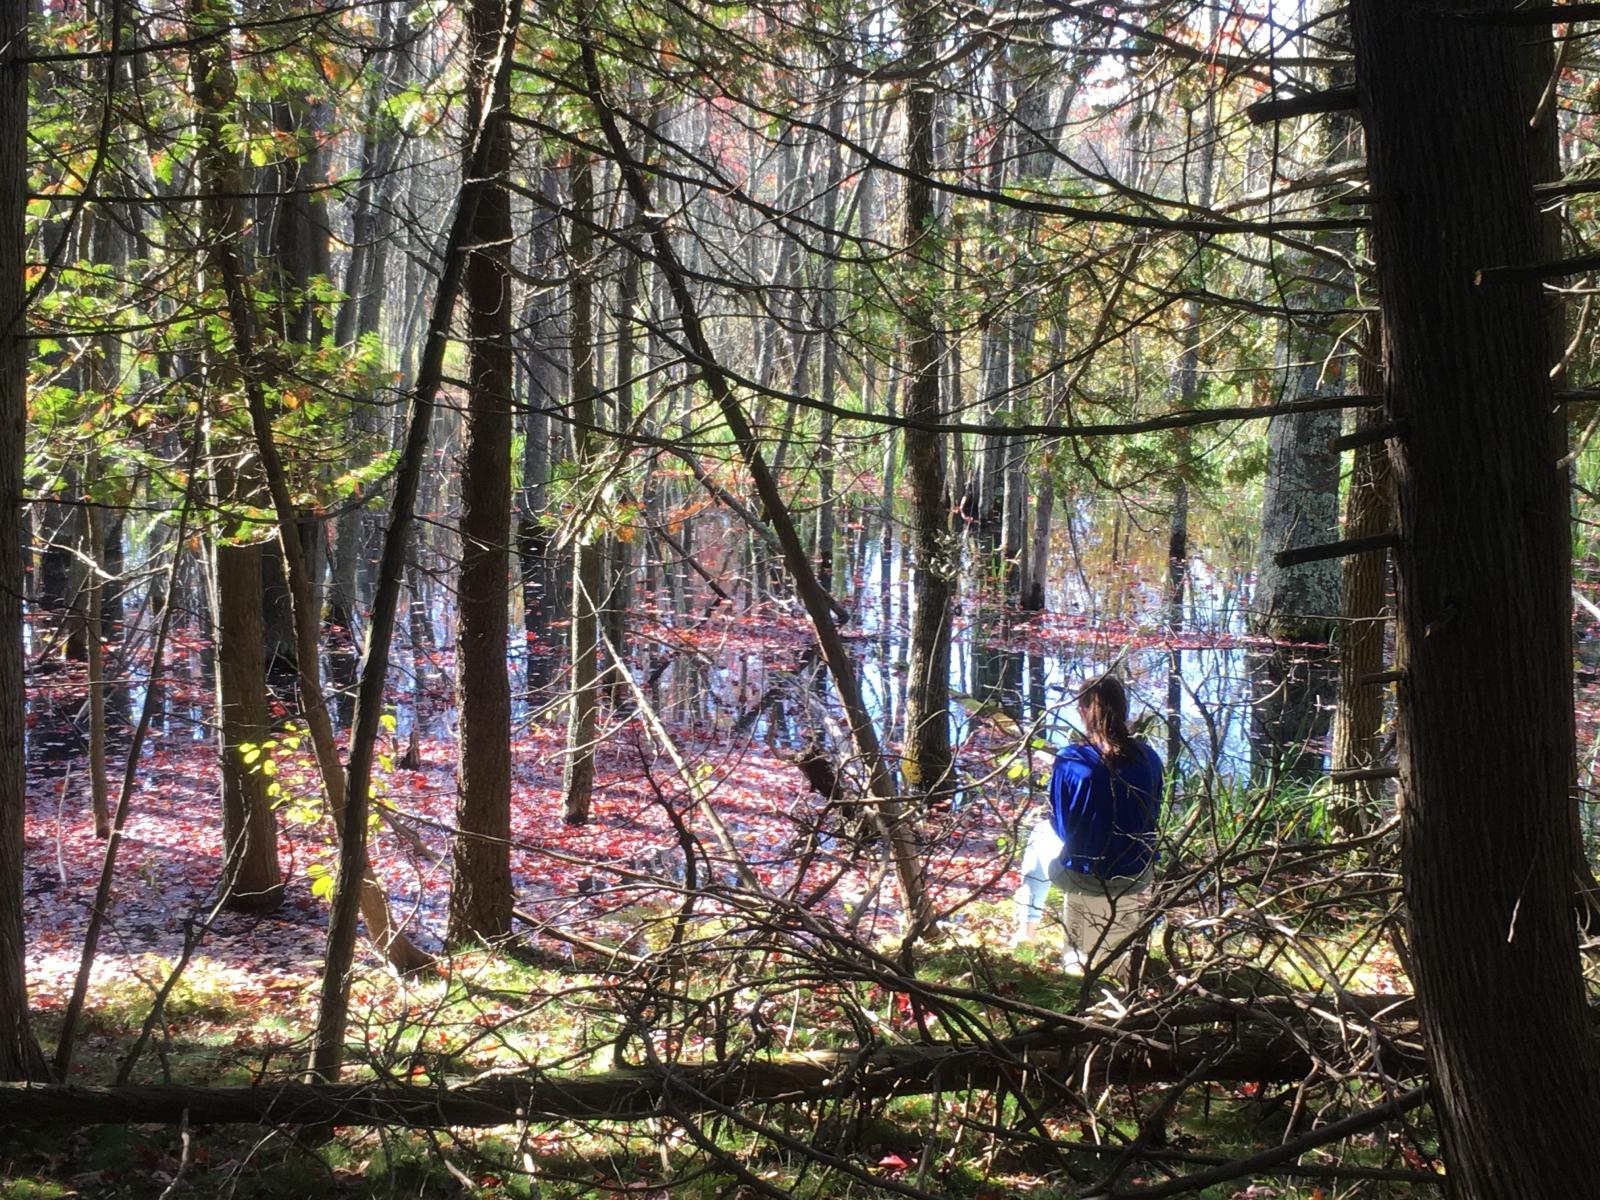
column 1106, row 820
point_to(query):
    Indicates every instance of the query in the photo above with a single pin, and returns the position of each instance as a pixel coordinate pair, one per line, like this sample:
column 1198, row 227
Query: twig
column 183, row 1158
column 61, row 804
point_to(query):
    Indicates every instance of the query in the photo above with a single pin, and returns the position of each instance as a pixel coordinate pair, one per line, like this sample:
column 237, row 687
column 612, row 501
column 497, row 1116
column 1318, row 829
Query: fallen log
column 1266, row 1052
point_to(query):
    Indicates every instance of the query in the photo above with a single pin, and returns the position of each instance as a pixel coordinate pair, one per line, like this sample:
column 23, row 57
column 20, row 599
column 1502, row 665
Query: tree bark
column 925, row 757
column 480, row 893
column 583, row 713
column 1369, row 510
column 94, row 628
column 1484, row 621
column 19, row 1053
column 251, row 879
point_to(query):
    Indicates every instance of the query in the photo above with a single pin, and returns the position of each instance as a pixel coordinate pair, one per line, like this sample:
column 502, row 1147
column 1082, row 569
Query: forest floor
column 245, row 1004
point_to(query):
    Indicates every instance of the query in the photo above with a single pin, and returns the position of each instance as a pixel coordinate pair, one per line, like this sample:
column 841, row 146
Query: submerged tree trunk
column 19, row 1053
column 1484, row 621
column 480, row 892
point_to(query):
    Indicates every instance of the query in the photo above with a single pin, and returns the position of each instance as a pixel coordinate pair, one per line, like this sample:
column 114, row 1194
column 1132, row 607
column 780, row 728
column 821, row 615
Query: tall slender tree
column 19, row 1052
column 925, row 757
column 583, row 714
column 480, row 894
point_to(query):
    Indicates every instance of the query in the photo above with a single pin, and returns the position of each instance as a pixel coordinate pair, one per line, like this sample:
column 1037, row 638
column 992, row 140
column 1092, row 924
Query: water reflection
column 738, row 659
column 1106, row 610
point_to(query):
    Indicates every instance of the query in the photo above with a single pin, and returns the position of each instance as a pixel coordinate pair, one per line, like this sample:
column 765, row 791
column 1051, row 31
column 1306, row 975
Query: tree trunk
column 1484, row 621
column 100, row 909
column 19, row 1053
column 251, row 880
column 744, row 1084
column 543, row 392
column 1299, row 603
column 619, row 598
column 94, row 629
column 925, row 758
column 1293, row 685
column 214, row 86
column 360, row 316
column 1035, row 595
column 1188, row 392
column 829, row 320
column 994, row 355
column 1177, row 576
column 480, row 894
column 1369, row 510
column 354, row 888
column 583, row 713
column 279, row 639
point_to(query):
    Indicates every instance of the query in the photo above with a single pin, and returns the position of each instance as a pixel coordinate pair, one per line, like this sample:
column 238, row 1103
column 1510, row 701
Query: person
column 1098, row 843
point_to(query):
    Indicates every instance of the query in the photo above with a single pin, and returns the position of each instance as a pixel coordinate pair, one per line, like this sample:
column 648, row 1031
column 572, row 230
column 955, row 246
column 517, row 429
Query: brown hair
column 1103, row 705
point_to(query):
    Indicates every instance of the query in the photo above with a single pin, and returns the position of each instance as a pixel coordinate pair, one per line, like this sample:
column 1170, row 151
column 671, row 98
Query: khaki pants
column 1100, row 914
column 1100, row 926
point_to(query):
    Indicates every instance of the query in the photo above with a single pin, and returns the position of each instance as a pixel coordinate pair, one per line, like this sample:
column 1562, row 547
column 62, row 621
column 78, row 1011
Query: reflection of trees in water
column 996, row 666
column 1291, row 710
column 1021, row 667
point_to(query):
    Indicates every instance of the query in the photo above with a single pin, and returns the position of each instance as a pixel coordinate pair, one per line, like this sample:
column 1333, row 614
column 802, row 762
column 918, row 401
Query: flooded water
column 744, row 664
column 1012, row 670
